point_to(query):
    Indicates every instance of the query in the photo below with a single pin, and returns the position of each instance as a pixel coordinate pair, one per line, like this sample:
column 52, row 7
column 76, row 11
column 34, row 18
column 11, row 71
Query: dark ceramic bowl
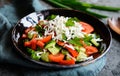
column 33, row 18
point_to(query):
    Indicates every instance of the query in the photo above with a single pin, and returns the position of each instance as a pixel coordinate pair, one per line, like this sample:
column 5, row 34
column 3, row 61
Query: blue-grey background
column 112, row 67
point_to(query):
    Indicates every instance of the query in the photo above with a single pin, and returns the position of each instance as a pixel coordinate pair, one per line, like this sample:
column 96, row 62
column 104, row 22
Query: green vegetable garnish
column 75, row 41
column 51, row 17
column 35, row 57
column 87, row 39
column 33, row 54
column 30, row 51
column 64, row 37
column 39, row 29
column 76, row 19
column 70, row 22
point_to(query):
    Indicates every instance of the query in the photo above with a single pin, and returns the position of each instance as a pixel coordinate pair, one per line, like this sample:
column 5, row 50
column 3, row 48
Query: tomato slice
column 87, row 27
column 56, row 58
column 46, row 39
column 61, row 43
column 91, row 50
column 40, row 44
column 67, row 62
column 27, row 44
column 33, row 44
column 73, row 52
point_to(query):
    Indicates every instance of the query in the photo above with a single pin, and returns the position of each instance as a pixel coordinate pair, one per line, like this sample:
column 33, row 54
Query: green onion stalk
column 83, row 6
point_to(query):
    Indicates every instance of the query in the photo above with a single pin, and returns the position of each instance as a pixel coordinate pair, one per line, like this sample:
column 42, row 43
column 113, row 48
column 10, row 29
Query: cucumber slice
column 81, row 56
column 44, row 57
column 94, row 42
column 54, row 50
column 51, row 44
column 65, row 52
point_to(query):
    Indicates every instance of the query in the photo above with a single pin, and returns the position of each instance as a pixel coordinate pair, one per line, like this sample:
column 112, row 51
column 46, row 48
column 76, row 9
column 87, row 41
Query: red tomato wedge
column 33, row 44
column 46, row 39
column 61, row 43
column 73, row 52
column 27, row 44
column 40, row 44
column 87, row 27
column 56, row 58
column 67, row 62
column 91, row 50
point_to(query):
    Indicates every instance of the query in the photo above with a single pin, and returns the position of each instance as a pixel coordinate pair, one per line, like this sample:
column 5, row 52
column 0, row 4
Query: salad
column 61, row 40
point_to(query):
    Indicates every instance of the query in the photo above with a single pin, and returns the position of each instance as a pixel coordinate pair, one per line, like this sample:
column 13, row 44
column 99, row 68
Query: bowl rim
column 57, row 65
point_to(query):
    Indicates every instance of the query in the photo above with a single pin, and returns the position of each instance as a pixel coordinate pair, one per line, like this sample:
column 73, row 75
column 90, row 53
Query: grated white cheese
column 57, row 27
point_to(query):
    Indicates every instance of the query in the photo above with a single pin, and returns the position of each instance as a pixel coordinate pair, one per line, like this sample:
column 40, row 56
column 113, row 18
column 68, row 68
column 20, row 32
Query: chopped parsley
column 87, row 39
column 51, row 17
column 75, row 41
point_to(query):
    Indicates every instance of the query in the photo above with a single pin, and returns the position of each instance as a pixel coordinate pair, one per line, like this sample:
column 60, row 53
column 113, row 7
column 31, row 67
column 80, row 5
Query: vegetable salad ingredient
column 83, row 6
column 87, row 28
column 61, row 40
column 56, row 58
